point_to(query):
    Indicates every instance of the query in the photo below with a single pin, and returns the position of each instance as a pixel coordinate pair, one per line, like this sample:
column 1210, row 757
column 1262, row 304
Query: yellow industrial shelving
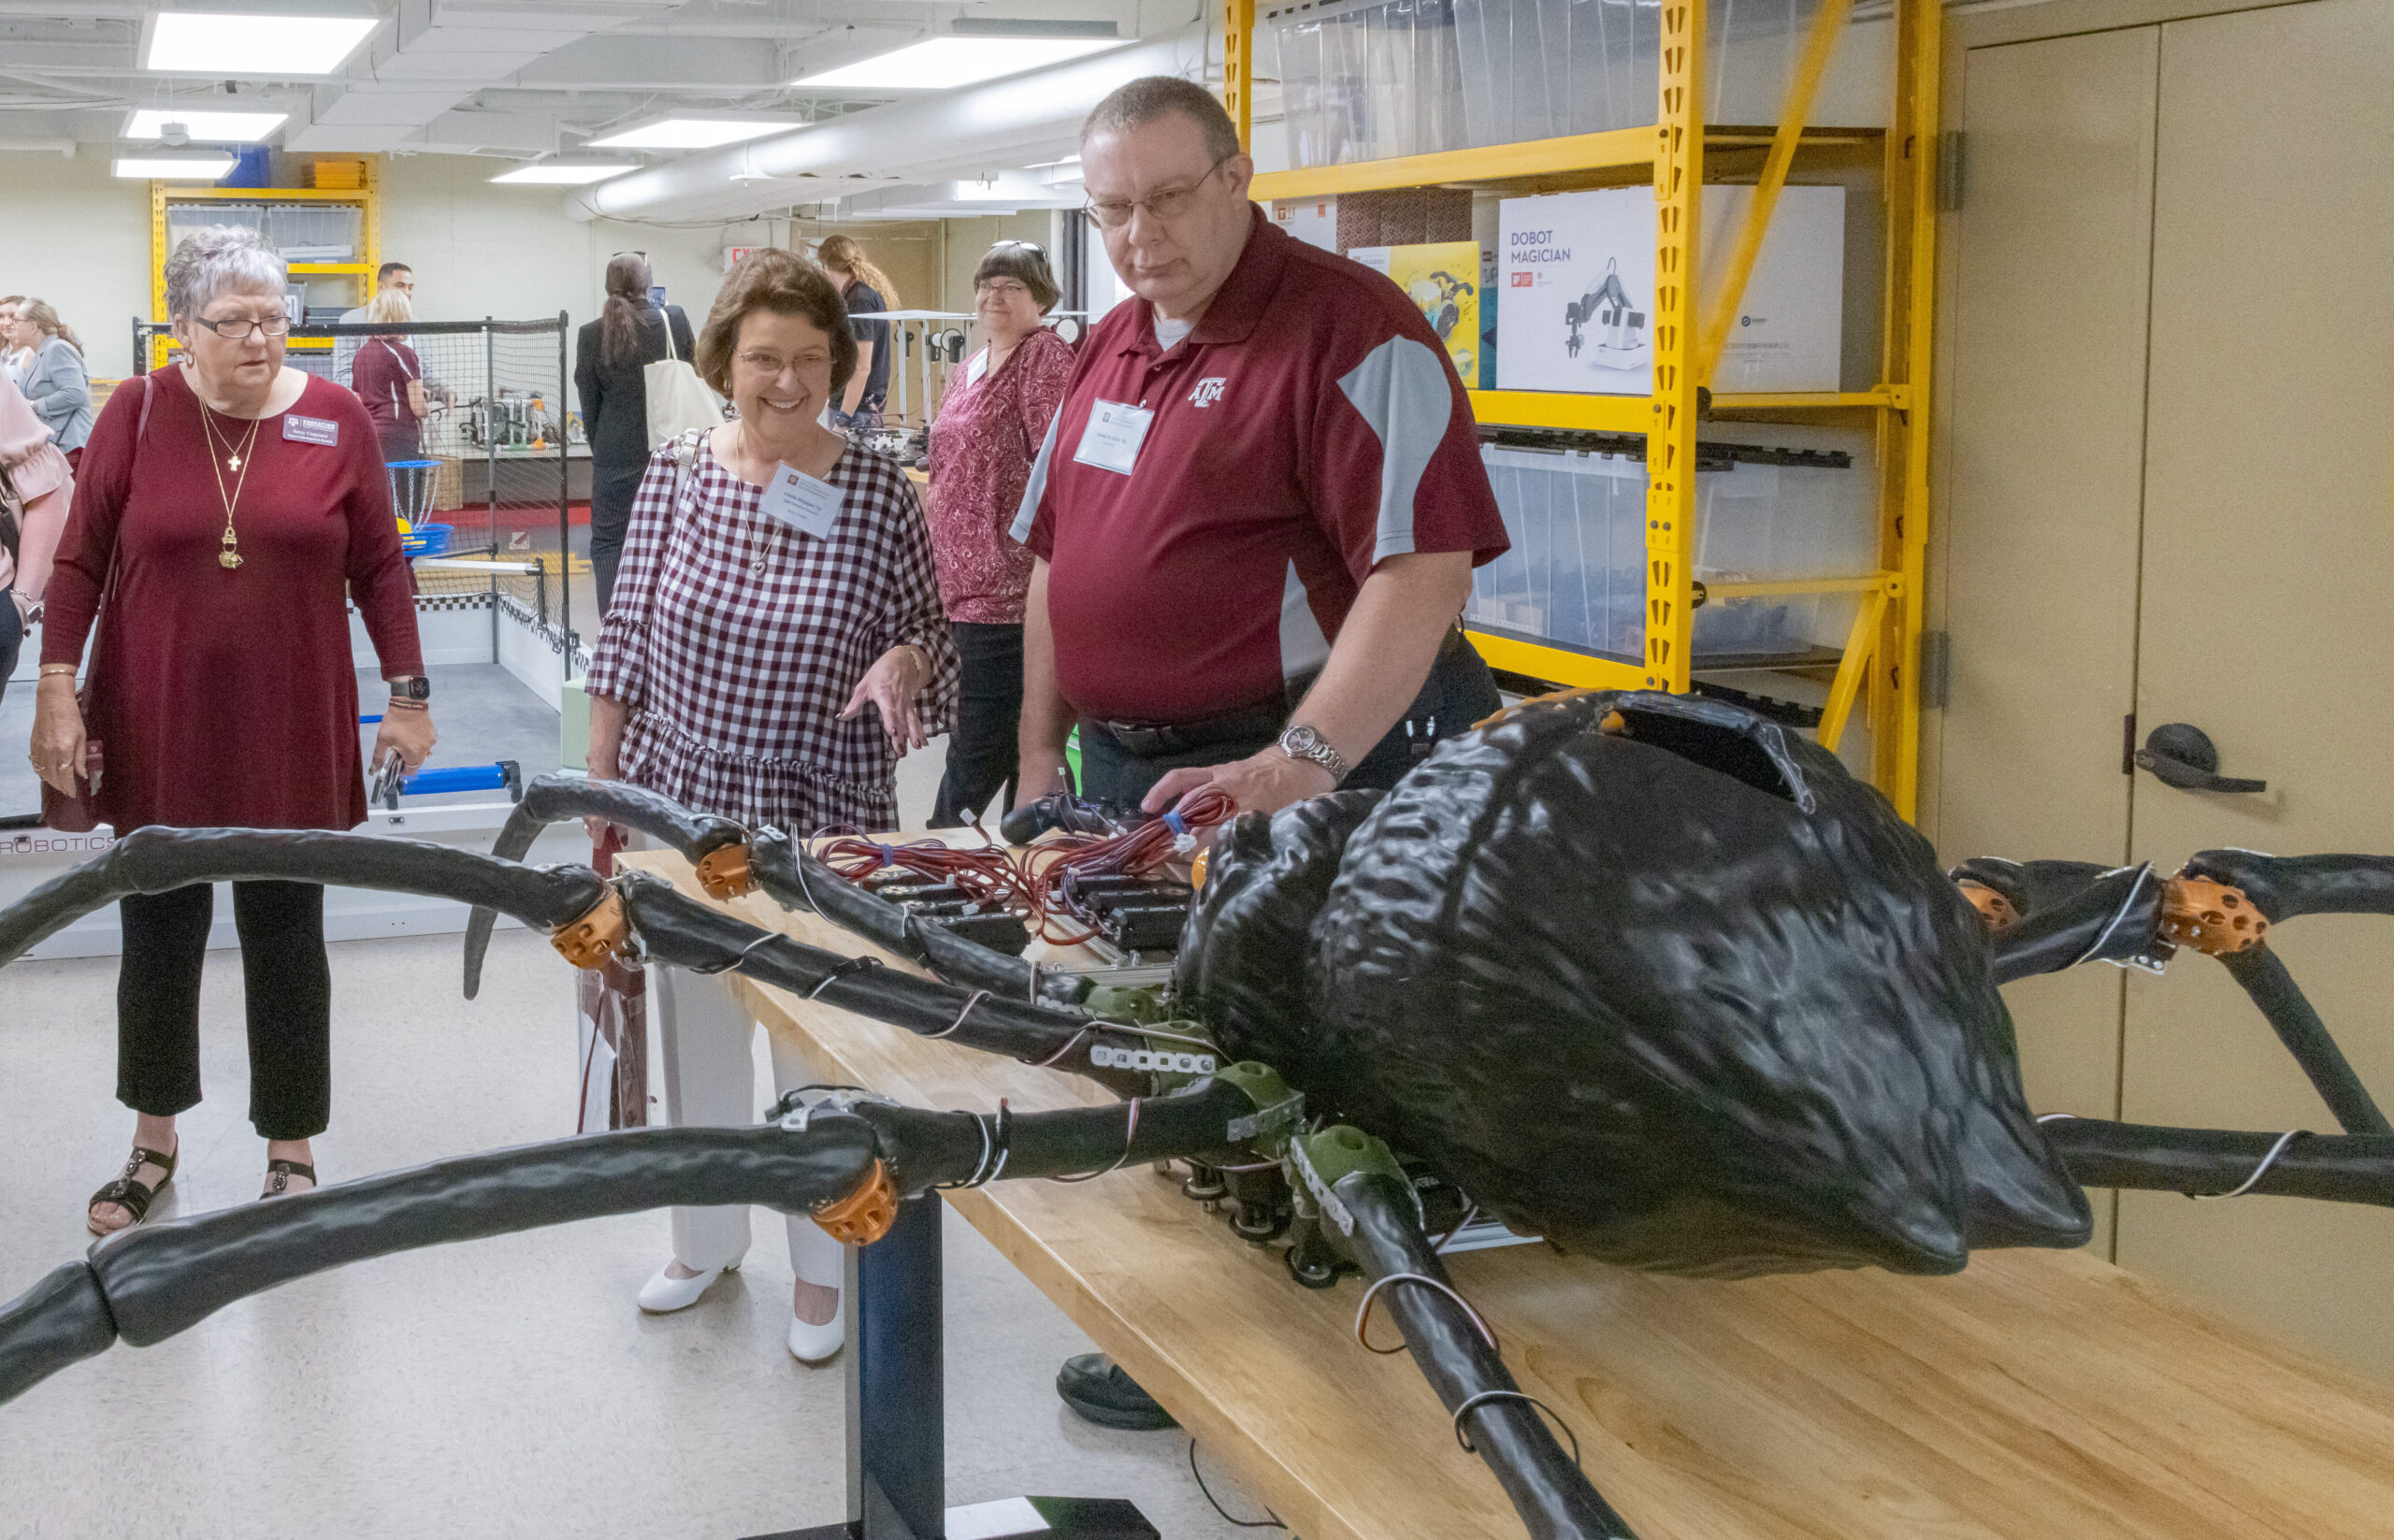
column 1877, row 670
column 366, row 196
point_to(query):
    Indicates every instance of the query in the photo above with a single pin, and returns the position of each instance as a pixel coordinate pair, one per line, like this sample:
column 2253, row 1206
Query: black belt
column 1147, row 740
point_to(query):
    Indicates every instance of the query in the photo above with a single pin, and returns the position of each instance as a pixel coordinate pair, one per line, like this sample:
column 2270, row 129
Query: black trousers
column 981, row 752
column 12, row 634
column 1459, row 692
column 285, row 975
column 611, row 490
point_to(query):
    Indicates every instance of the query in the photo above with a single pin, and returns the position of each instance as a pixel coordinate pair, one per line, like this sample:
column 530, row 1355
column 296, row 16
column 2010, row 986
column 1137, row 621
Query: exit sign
column 732, row 256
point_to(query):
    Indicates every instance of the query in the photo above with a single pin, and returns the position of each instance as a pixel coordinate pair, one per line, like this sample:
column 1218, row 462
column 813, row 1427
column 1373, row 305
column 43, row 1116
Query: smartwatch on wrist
column 412, row 687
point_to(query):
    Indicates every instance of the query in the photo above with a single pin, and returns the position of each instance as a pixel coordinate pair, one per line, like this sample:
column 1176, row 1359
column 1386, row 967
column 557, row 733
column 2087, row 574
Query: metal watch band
column 1305, row 742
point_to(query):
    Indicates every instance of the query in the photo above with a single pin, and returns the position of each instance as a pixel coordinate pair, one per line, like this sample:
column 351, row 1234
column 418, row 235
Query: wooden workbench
column 2039, row 1395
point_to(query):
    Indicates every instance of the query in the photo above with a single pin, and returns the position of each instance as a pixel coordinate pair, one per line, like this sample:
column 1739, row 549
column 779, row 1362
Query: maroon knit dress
column 227, row 696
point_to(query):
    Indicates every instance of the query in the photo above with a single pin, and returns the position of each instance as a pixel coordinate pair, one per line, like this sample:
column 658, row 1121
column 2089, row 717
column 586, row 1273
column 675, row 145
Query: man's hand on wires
column 1261, row 783
column 890, row 687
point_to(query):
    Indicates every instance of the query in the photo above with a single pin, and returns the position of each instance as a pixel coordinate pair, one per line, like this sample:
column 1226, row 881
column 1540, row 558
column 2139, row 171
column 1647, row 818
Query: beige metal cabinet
column 2170, row 492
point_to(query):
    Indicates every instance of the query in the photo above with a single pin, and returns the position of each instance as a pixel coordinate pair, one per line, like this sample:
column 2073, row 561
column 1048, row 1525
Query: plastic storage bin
column 189, row 219
column 1368, row 80
column 315, row 233
column 1575, row 576
column 1539, row 69
column 1576, row 572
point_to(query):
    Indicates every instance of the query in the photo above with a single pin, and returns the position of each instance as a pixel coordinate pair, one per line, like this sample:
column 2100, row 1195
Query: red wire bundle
column 1032, row 884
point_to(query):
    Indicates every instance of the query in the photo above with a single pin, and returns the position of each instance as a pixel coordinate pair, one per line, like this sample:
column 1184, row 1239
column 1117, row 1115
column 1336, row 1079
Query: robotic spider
column 1643, row 975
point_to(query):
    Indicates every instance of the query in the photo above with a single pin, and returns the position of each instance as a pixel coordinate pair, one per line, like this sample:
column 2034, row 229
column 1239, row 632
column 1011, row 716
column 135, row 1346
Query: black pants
column 982, row 751
column 1459, row 692
column 12, row 634
column 611, row 490
column 284, row 973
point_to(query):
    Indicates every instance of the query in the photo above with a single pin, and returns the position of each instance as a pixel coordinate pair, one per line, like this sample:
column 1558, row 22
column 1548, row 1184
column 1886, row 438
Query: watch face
column 1300, row 739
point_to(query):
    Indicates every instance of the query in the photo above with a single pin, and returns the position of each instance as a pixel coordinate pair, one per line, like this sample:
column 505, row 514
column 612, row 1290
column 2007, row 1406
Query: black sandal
column 279, row 1175
column 131, row 1195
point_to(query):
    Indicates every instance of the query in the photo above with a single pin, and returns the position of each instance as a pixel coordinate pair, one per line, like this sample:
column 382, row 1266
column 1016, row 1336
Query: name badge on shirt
column 1111, row 438
column 809, row 505
column 979, row 366
column 309, row 430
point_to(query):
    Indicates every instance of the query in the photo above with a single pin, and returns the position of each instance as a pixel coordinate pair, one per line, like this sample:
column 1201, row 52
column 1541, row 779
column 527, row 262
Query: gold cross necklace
column 236, row 459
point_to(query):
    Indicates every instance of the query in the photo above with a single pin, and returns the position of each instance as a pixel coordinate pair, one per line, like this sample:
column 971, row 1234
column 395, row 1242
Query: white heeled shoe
column 664, row 1293
column 812, row 1344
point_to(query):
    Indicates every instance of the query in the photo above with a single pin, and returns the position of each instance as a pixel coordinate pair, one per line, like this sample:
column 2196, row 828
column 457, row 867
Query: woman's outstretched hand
column 890, row 687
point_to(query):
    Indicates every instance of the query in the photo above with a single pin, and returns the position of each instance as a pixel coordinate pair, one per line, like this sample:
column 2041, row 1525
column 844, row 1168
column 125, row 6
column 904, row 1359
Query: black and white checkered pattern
column 734, row 678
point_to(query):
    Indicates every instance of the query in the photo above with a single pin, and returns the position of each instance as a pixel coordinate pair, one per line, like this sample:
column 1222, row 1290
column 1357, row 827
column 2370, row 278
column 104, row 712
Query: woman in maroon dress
column 389, row 380
column 228, row 507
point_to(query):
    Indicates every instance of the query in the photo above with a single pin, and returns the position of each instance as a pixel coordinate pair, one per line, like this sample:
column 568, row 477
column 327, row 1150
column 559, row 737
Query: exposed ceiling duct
column 935, row 138
column 447, row 51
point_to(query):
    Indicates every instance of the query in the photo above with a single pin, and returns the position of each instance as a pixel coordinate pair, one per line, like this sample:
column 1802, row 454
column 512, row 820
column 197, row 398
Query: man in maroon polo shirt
column 1255, row 518
column 1257, row 512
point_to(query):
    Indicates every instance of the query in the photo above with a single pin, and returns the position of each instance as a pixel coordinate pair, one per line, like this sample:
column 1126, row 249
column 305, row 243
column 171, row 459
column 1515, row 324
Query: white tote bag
column 678, row 399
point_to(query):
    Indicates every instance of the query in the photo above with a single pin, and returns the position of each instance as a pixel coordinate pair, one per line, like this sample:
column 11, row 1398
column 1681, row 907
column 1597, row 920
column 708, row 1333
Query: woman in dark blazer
column 608, row 355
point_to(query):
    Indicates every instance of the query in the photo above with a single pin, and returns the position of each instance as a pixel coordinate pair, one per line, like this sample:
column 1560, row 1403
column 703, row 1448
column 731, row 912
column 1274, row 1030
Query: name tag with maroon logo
column 309, row 430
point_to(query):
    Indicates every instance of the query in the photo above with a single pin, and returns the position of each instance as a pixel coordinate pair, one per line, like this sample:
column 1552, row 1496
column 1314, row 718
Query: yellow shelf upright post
column 1670, row 437
column 1910, row 180
column 1238, row 68
column 1793, row 114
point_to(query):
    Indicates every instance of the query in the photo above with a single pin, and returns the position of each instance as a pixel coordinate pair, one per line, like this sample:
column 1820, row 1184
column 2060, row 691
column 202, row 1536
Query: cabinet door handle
column 2179, row 755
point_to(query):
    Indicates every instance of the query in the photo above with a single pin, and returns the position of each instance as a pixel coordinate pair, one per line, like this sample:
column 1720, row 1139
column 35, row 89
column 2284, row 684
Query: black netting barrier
column 493, row 483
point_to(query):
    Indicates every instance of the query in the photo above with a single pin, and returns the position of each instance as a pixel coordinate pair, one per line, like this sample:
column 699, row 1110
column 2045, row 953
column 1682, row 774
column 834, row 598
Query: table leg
column 897, row 1416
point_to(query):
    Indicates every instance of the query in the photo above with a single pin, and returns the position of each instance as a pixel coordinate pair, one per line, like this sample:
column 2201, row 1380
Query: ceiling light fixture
column 199, row 168
column 268, row 46
column 684, row 133
column 977, row 51
column 204, row 127
column 565, row 173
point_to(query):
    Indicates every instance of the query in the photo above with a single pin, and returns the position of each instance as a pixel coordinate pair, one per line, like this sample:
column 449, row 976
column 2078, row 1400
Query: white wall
column 80, row 238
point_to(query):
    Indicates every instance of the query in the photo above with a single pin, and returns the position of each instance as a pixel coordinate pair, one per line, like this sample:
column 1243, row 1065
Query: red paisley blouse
column 988, row 432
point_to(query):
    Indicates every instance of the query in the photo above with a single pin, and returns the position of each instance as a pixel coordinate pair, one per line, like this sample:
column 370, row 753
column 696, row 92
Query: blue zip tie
column 1174, row 822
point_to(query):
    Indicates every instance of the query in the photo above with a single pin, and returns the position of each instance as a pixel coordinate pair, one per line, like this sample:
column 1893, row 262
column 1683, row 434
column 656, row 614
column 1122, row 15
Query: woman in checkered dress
column 773, row 645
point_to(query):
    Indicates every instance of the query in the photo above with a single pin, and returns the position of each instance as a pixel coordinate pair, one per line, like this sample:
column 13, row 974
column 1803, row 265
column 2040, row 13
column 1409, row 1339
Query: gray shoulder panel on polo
column 1036, row 487
column 1303, row 646
column 1401, row 392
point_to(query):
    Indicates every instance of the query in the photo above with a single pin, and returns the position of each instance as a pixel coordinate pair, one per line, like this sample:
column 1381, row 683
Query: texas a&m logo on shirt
column 1208, row 391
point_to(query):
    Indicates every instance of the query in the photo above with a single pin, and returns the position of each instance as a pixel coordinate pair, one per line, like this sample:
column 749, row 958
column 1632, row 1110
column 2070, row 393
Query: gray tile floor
column 501, row 1387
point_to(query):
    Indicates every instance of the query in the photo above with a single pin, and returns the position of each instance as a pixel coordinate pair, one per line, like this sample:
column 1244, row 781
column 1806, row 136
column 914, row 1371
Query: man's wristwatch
column 412, row 687
column 1300, row 741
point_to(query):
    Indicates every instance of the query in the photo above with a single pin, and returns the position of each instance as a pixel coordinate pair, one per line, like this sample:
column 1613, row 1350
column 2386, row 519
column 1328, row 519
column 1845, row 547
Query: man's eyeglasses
column 240, row 328
column 1166, row 203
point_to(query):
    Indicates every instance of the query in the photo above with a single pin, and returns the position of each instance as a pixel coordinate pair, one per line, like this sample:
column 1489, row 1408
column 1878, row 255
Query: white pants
column 710, row 1082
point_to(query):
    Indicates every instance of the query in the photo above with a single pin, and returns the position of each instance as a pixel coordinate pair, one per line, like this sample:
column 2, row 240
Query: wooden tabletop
column 2039, row 1395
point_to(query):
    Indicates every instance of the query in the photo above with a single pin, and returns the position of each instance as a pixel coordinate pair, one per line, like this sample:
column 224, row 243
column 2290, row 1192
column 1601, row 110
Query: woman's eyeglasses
column 1031, row 246
column 240, row 328
column 772, row 364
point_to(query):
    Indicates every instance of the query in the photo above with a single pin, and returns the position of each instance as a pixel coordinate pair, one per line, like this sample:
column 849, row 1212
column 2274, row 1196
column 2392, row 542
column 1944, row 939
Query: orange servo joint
column 601, row 936
column 725, row 872
column 1992, row 907
column 864, row 1216
column 2210, row 916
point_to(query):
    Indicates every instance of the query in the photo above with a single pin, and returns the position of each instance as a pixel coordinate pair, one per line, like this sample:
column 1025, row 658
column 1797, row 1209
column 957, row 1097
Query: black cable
column 1270, row 1521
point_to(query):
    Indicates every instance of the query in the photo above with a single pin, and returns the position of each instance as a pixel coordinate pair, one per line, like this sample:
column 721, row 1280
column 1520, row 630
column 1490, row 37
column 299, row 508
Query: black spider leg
column 2069, row 913
column 1553, row 1497
column 678, row 929
column 2218, row 1163
column 789, row 875
column 148, row 1284
column 687, row 934
column 555, row 799
column 156, row 860
column 797, row 881
column 2284, row 888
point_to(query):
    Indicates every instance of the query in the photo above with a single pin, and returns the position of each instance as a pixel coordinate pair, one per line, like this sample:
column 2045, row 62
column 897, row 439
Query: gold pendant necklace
column 237, row 460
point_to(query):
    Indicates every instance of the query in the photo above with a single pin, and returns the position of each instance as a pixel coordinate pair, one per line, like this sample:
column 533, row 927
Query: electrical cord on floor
column 1270, row 1521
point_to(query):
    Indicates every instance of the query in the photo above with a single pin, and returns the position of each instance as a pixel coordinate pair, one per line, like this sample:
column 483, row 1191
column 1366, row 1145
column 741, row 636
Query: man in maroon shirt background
column 1257, row 512
column 1254, row 518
